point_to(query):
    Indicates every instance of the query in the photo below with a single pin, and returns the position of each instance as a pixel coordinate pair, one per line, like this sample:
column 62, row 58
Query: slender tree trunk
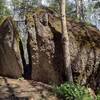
column 77, row 8
column 65, row 39
column 80, row 9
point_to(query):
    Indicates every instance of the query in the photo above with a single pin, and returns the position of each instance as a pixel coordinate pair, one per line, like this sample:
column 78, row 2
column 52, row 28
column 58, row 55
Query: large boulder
column 42, row 53
column 46, row 52
column 10, row 59
column 84, row 50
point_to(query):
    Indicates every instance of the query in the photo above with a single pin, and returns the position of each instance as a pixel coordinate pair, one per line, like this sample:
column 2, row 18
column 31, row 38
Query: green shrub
column 98, row 97
column 69, row 91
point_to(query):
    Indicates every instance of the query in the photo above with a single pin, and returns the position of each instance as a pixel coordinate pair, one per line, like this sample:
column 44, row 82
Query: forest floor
column 20, row 89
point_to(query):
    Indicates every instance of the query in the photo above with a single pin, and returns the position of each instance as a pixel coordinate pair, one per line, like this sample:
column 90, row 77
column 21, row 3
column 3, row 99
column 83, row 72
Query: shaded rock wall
column 86, row 59
column 85, row 52
column 42, row 52
column 10, row 59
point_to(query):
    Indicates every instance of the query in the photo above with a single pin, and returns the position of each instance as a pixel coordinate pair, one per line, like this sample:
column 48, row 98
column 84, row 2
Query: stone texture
column 46, row 53
column 10, row 59
column 41, row 49
column 84, row 49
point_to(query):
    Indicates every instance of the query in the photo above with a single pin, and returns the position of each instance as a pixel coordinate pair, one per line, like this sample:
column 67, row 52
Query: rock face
column 45, row 50
column 47, row 55
column 10, row 60
column 41, row 48
column 85, row 52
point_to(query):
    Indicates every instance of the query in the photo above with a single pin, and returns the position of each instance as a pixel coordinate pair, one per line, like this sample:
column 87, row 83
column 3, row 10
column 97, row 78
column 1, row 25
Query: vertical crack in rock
column 23, row 36
column 32, row 48
column 22, row 56
column 58, row 55
column 24, row 48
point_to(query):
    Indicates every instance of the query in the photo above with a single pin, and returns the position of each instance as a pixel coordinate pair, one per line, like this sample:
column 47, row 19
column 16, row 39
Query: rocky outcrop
column 41, row 48
column 85, row 52
column 10, row 59
column 47, row 54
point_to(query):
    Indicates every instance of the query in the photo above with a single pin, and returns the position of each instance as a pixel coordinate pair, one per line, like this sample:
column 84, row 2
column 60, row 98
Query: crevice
column 27, row 68
column 58, row 55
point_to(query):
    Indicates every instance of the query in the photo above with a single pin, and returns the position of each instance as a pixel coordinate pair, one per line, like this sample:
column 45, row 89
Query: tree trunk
column 82, row 10
column 77, row 8
column 65, row 39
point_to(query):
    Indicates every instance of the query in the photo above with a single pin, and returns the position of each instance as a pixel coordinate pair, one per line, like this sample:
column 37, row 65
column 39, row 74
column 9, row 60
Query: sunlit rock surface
column 11, row 89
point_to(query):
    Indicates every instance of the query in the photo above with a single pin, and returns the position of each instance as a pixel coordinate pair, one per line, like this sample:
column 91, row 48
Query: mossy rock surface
column 84, row 49
column 46, row 52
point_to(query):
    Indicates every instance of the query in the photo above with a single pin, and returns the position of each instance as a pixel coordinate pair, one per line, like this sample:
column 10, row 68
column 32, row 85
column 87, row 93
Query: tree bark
column 65, row 39
column 80, row 9
column 77, row 8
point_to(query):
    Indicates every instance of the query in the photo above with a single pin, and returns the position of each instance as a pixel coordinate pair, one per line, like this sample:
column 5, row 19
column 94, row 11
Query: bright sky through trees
column 92, row 15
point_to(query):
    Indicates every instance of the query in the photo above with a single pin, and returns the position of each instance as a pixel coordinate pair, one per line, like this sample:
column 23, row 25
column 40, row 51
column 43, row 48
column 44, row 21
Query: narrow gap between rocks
column 58, row 55
column 27, row 68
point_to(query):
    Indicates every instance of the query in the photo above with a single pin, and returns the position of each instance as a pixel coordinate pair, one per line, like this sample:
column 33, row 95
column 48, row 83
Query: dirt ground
column 20, row 89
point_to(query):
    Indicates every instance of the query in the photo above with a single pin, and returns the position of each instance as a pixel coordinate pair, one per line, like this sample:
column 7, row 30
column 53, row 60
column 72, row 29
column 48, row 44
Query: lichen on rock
column 45, row 50
column 10, row 59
